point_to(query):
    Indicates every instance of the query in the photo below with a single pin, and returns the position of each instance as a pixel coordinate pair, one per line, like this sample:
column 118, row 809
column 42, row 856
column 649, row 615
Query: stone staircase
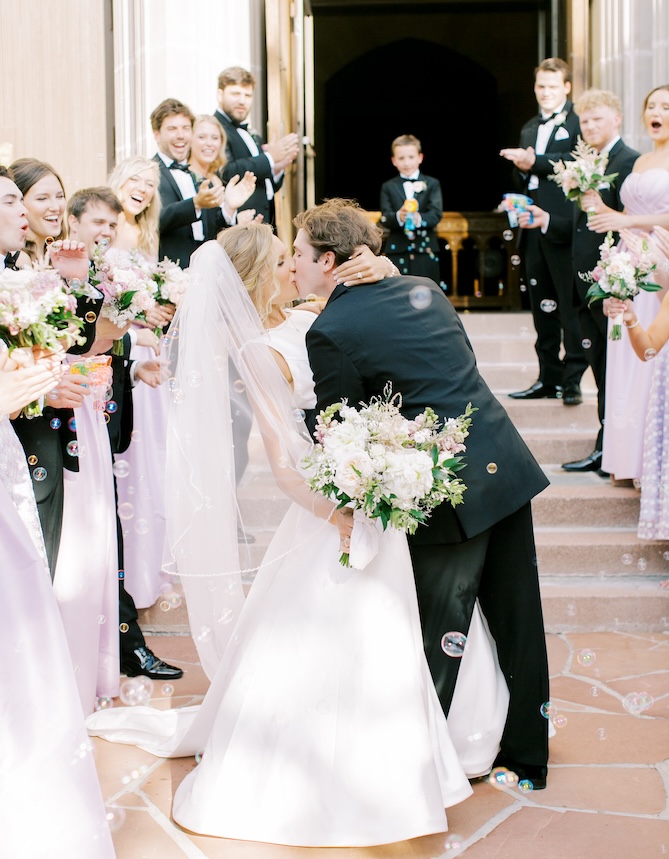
column 595, row 573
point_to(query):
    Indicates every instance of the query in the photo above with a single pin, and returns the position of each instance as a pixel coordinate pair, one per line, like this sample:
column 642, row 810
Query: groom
column 404, row 330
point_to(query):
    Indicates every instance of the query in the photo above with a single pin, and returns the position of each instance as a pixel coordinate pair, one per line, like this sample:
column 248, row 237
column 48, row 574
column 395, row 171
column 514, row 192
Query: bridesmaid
column 50, row 796
column 207, row 160
column 140, row 469
column 44, row 199
column 645, row 194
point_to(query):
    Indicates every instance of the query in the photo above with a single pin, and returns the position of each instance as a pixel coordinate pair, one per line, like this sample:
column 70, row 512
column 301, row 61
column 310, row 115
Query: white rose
column 353, row 472
column 408, row 476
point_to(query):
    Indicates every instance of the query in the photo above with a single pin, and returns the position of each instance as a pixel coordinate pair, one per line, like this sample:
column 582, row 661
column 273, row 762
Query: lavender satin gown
column 50, row 799
column 629, row 380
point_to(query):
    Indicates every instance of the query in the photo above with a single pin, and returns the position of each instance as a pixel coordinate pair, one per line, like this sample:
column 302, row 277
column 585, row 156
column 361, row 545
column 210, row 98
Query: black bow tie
column 10, row 261
column 543, row 121
column 176, row 166
column 243, row 125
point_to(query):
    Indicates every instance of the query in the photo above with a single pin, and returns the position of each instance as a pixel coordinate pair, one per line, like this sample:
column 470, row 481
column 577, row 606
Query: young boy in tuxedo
column 411, row 208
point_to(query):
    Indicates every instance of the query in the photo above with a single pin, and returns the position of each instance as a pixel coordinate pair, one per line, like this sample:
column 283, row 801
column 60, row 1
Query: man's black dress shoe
column 603, row 474
column 592, row 462
column 538, row 391
column 571, row 395
column 536, row 774
column 144, row 661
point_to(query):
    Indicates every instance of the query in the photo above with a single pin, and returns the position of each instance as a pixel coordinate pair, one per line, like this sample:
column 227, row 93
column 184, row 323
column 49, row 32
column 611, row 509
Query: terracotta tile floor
column 608, row 781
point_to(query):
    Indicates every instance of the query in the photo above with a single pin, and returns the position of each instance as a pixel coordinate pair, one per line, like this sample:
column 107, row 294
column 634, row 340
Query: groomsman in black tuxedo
column 189, row 216
column 601, row 115
column 369, row 335
column 550, row 136
column 245, row 149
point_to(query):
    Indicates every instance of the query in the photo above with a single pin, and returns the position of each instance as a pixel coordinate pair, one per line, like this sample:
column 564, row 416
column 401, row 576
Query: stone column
column 630, row 55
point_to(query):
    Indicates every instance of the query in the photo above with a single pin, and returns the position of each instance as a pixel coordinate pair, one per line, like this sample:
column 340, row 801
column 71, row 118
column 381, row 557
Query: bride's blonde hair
column 147, row 220
column 253, row 253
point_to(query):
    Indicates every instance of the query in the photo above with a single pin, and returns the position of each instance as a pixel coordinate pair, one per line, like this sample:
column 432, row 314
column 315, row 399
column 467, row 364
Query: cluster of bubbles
column 637, row 702
column 550, row 711
column 170, row 600
column 454, row 643
column 136, row 691
column 135, row 774
column 453, row 843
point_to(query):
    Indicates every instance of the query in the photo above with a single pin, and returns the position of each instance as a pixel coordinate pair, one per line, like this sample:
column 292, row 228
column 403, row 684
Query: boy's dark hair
column 405, row 140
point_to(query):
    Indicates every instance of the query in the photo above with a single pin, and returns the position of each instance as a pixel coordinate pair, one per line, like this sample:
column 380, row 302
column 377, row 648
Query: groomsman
column 245, row 149
column 601, row 115
column 550, row 136
column 189, row 216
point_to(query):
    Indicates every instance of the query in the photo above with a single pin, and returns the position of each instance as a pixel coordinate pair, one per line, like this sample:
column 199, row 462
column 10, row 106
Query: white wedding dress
column 322, row 726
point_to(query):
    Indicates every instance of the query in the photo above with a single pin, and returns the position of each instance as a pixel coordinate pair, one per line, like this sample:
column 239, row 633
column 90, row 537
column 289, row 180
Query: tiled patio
column 608, row 780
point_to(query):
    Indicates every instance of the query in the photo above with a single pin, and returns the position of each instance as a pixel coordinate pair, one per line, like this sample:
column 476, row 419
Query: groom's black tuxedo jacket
column 369, row 335
column 240, row 160
column 574, row 228
column 176, row 218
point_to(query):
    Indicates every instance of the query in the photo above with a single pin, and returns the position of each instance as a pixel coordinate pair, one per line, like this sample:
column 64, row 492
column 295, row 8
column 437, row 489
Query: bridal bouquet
column 621, row 274
column 37, row 311
column 391, row 468
column 585, row 173
column 127, row 287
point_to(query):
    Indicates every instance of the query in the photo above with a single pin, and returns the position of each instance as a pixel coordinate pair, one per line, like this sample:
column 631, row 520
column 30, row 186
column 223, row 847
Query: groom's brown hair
column 339, row 226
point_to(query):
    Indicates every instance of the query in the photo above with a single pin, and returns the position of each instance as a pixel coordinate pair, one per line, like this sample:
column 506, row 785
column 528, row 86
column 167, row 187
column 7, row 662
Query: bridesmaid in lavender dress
column 635, row 424
column 50, row 799
column 140, row 469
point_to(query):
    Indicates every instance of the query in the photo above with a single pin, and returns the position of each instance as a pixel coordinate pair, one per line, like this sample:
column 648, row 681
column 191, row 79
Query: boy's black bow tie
column 10, row 260
column 176, row 166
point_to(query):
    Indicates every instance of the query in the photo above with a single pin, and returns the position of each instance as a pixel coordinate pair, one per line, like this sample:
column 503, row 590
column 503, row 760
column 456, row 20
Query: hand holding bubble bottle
column 513, row 204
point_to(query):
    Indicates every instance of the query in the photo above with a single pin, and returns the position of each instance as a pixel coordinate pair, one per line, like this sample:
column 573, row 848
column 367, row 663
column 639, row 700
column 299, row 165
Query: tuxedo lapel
column 166, row 173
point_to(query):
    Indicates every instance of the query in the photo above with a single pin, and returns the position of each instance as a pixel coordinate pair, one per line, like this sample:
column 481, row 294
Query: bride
column 321, row 726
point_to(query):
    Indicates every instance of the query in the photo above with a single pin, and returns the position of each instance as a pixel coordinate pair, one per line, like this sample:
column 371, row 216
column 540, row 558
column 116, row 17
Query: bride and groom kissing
column 322, row 726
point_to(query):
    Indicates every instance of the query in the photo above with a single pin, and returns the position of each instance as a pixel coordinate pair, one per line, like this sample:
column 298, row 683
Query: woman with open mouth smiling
column 44, row 198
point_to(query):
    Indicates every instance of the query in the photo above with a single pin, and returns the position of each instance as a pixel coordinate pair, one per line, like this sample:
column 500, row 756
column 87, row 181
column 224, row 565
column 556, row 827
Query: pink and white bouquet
column 392, row 469
column 126, row 285
column 586, row 172
column 37, row 311
column 621, row 274
column 170, row 283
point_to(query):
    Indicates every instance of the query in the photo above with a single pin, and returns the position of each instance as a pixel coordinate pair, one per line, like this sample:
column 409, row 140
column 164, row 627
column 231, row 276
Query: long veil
column 218, row 354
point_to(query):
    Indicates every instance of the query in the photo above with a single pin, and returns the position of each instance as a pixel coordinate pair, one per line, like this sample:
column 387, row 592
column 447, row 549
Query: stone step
column 604, row 605
column 600, row 552
column 569, row 445
column 587, row 502
column 503, row 378
column 552, row 414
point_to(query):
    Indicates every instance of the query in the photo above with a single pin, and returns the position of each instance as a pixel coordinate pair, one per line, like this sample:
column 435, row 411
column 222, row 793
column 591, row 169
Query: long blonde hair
column 147, row 220
column 253, row 253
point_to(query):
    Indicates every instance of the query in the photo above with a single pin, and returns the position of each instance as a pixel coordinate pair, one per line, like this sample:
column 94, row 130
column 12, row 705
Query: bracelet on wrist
column 633, row 325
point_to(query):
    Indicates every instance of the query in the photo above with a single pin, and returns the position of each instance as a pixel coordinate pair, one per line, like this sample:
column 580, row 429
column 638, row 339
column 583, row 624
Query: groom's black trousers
column 499, row 567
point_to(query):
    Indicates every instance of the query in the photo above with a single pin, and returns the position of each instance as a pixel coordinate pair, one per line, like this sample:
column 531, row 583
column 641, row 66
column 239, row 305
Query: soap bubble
column 453, row 643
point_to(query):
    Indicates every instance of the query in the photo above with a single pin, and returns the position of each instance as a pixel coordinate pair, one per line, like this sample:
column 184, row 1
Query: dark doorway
column 459, row 76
